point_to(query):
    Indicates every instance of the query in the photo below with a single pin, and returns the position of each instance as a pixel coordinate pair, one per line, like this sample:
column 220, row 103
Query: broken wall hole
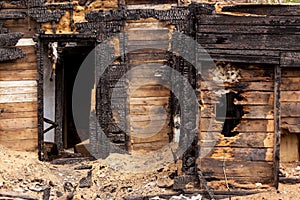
column 230, row 113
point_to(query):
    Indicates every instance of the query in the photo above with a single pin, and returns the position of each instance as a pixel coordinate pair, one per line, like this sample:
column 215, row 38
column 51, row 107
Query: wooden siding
column 290, row 114
column 18, row 93
column 254, row 142
column 149, row 95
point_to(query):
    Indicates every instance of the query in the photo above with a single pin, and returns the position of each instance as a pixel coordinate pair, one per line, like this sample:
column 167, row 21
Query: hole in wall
column 230, row 113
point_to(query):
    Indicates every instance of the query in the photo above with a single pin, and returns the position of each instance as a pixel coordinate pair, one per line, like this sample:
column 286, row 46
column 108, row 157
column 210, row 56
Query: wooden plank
column 148, row 34
column 290, row 120
column 290, row 84
column 150, row 138
column 249, row 41
column 290, row 128
column 244, row 86
column 244, row 58
column 18, row 75
column 242, row 154
column 20, row 134
column 4, row 84
column 19, row 123
column 256, row 98
column 18, row 107
column 148, row 117
column 21, row 145
column 290, row 96
column 249, row 29
column 149, row 100
column 250, row 112
column 240, row 171
column 144, row 109
column 17, row 90
column 241, row 140
column 26, row 26
column 148, row 147
column 258, row 112
column 257, row 73
column 290, row 109
column 265, row 9
column 211, row 125
column 290, row 72
column 17, row 65
column 5, row 115
column 15, row 98
column 290, row 59
column 248, row 20
column 255, row 126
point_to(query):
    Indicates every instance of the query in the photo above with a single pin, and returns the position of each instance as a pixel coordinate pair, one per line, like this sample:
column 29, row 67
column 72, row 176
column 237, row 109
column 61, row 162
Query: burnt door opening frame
column 60, row 135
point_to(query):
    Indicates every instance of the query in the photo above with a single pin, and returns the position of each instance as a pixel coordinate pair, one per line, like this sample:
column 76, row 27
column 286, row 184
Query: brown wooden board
column 290, row 59
column 19, row 107
column 290, row 109
column 18, row 75
column 242, row 154
column 290, row 84
column 255, row 126
column 240, row 171
column 17, row 123
column 290, row 96
column 249, row 41
column 248, row 20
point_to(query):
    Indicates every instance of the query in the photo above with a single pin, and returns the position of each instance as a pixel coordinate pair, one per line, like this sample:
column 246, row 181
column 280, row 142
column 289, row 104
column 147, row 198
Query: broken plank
column 241, row 154
column 256, row 98
column 255, row 126
column 241, row 140
column 258, row 112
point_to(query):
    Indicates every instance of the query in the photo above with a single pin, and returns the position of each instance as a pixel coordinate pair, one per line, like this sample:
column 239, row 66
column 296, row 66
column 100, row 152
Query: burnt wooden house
column 247, row 94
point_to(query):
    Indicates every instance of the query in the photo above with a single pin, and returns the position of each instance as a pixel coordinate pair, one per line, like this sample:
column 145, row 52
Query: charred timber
column 11, row 15
column 9, row 54
column 10, row 39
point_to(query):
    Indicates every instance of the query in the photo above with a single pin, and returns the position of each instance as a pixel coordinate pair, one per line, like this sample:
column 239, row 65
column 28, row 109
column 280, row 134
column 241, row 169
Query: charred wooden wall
column 261, row 37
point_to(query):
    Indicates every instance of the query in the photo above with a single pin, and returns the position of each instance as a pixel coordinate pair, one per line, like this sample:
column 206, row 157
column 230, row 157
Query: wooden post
column 277, row 121
column 59, row 114
column 40, row 92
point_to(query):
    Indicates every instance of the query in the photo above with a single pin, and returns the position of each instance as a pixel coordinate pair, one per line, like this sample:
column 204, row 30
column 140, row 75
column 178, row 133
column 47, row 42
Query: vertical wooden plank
column 59, row 110
column 277, row 114
column 40, row 52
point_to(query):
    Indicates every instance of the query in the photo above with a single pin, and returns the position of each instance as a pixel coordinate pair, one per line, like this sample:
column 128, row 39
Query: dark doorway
column 71, row 59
